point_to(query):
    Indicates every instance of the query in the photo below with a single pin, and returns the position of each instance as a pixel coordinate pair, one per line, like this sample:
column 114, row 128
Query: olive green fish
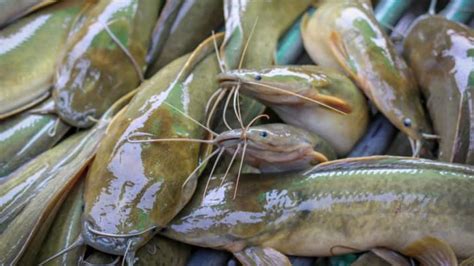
column 194, row 21
column 65, row 229
column 268, row 148
column 31, row 196
column 276, row 147
column 14, row 9
column 317, row 99
column 417, row 207
column 346, row 35
column 133, row 189
column 441, row 53
column 253, row 29
column 29, row 51
column 26, row 135
column 105, row 59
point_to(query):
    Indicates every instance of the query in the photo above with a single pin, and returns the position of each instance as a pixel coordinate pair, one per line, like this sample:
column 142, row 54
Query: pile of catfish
column 226, row 132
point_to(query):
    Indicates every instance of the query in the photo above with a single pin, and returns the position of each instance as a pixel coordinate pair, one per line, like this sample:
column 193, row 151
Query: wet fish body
column 26, row 135
column 333, row 107
column 32, row 195
column 14, row 9
column 346, row 35
column 194, row 22
column 30, row 49
column 65, row 229
column 441, row 53
column 104, row 58
column 362, row 203
column 120, row 199
column 277, row 147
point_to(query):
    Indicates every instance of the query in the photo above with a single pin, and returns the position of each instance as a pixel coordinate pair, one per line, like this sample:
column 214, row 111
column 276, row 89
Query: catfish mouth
column 228, row 80
column 231, row 142
column 67, row 112
column 108, row 243
column 264, row 154
column 259, row 156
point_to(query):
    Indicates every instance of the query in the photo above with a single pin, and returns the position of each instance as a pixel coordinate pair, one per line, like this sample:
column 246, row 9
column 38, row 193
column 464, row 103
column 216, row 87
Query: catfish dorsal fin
column 431, row 251
column 261, row 256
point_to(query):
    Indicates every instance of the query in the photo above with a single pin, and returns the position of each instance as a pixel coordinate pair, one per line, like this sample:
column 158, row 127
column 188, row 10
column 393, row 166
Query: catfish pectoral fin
column 392, row 257
column 431, row 251
column 261, row 256
column 333, row 102
column 339, row 51
column 319, row 157
column 369, row 258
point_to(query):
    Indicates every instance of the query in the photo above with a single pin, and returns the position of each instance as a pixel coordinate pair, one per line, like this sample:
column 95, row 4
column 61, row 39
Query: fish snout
column 229, row 138
column 228, row 79
column 110, row 243
column 64, row 108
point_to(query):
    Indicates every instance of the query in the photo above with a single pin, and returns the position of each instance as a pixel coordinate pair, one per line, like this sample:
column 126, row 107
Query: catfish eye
column 407, row 122
column 263, row 134
column 258, row 77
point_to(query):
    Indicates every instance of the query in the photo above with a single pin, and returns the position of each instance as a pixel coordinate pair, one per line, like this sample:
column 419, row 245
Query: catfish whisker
column 219, row 59
column 230, row 164
column 125, row 50
column 238, row 104
column 229, row 96
column 52, row 131
column 121, row 235
column 213, row 110
column 222, row 67
column 247, row 43
column 310, row 169
column 255, row 120
column 415, row 147
column 192, row 119
column 212, row 171
column 139, row 134
column 219, row 91
column 240, row 168
column 79, row 242
column 297, row 95
column 214, row 95
column 236, row 112
column 199, row 166
column 125, row 256
column 430, row 136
